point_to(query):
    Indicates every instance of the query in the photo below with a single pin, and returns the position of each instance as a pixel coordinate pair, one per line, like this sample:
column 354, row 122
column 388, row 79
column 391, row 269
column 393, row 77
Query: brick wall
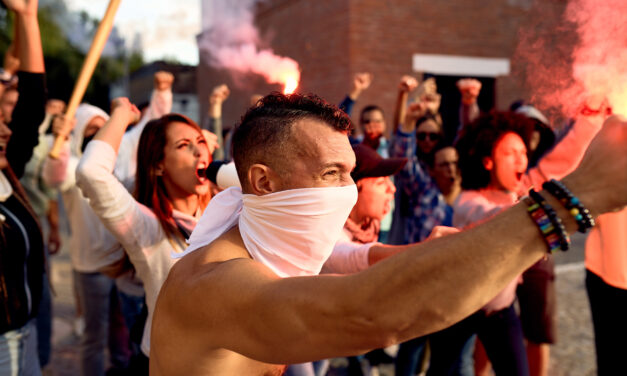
column 333, row 39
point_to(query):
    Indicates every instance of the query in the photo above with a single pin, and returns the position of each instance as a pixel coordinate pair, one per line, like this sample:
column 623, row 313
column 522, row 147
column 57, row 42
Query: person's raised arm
column 413, row 113
column 406, row 86
column 28, row 39
column 361, row 82
column 218, row 95
column 565, row 156
column 29, row 110
column 123, row 113
column 469, row 88
column 131, row 223
column 161, row 97
column 160, row 104
column 241, row 306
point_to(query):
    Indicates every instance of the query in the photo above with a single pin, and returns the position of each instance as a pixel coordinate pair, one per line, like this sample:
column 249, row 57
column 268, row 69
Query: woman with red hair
column 170, row 195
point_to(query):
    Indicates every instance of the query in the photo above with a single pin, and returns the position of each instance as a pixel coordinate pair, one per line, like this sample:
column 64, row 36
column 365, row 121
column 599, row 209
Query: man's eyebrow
column 342, row 165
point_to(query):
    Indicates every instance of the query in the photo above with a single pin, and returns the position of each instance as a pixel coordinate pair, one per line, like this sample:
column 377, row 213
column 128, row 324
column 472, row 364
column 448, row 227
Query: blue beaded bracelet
column 579, row 212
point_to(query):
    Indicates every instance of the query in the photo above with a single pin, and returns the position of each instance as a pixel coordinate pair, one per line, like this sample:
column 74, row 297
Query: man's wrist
column 354, row 94
column 588, row 197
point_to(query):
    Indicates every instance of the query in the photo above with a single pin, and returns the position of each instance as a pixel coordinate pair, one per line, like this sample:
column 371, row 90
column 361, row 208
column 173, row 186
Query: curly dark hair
column 478, row 139
column 263, row 134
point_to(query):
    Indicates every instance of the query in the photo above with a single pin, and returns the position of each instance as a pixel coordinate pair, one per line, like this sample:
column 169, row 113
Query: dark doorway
column 451, row 99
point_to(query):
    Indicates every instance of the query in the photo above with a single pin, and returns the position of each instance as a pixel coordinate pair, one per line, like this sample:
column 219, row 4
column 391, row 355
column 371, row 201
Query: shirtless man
column 222, row 312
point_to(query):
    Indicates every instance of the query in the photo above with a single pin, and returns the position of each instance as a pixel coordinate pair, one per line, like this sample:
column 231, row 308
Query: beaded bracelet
column 549, row 224
column 581, row 215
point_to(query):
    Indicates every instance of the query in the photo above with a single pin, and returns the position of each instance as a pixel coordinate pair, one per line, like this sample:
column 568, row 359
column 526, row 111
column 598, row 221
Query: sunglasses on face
column 432, row 136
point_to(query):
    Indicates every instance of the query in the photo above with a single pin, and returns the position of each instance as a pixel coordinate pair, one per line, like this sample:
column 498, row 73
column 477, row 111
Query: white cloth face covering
column 292, row 232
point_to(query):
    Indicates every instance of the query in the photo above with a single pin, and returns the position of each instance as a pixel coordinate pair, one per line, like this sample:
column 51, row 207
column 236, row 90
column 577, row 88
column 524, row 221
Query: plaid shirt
column 422, row 205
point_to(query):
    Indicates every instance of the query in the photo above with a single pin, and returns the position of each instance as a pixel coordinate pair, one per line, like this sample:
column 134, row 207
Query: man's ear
column 488, row 163
column 263, row 180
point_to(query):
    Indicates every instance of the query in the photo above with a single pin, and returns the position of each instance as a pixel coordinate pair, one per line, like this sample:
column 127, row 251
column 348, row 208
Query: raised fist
column 362, row 81
column 219, row 94
column 124, row 108
column 470, row 89
column 408, row 84
column 163, row 80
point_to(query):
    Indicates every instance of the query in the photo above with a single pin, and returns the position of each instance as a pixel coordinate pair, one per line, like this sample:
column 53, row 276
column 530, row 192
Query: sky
column 168, row 28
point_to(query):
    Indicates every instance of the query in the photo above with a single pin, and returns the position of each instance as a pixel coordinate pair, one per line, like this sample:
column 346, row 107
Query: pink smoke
column 575, row 55
column 232, row 42
column 600, row 63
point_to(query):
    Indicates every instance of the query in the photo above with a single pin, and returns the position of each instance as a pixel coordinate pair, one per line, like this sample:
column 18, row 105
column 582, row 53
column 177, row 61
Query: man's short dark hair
column 369, row 108
column 442, row 144
column 478, row 139
column 263, row 135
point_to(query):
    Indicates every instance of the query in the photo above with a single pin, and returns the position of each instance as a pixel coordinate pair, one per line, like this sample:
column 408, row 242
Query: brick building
column 333, row 39
column 140, row 84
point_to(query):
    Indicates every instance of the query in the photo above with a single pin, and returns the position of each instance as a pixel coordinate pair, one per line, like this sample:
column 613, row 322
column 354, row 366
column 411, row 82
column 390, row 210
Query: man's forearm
column 434, row 284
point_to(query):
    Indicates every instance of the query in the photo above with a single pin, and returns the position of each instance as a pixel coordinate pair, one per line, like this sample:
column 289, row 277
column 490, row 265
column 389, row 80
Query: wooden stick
column 91, row 60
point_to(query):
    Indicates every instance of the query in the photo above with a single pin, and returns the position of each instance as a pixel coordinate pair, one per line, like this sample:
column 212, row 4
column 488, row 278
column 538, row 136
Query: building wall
column 333, row 39
column 141, row 84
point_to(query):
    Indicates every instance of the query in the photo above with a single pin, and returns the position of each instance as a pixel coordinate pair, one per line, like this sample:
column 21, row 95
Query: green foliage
column 64, row 61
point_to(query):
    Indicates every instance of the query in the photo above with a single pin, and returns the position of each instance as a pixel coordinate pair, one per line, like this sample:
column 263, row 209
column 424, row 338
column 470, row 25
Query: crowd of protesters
column 134, row 186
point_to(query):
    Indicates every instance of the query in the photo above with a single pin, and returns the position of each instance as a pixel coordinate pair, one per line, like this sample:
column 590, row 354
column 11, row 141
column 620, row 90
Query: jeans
column 501, row 335
column 450, row 355
column 134, row 313
column 409, row 356
column 608, row 305
column 103, row 323
column 18, row 352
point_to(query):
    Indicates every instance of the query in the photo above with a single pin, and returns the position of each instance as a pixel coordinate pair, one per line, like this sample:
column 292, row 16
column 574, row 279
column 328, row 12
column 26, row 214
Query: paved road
column 573, row 355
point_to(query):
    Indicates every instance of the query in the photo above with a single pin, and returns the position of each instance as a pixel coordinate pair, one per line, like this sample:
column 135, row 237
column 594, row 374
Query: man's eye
column 330, row 173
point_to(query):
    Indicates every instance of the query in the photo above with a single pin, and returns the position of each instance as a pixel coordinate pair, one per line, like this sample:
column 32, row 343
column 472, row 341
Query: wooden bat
column 91, row 60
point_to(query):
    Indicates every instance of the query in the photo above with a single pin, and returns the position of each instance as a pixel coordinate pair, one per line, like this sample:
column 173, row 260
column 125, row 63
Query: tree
column 64, row 52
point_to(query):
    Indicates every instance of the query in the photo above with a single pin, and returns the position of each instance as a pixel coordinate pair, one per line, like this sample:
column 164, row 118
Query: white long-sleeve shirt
column 92, row 247
column 126, row 164
column 347, row 256
column 134, row 225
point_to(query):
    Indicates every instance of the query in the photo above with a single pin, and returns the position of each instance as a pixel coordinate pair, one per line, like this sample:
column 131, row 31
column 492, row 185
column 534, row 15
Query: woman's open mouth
column 201, row 172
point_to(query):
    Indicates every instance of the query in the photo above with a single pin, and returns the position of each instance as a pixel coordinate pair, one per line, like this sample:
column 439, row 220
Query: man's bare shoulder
column 227, row 247
column 212, row 269
column 190, row 317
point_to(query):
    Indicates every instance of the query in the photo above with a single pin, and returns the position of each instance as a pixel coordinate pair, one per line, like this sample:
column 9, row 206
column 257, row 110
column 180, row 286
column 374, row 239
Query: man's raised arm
column 230, row 302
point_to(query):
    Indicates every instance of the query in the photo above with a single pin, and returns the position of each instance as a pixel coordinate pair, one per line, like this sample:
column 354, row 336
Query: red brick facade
column 333, row 39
